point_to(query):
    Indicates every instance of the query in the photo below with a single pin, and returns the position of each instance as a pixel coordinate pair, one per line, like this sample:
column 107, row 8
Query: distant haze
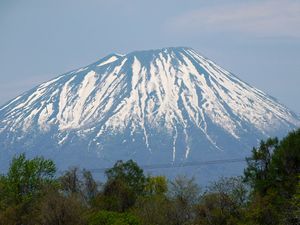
column 257, row 40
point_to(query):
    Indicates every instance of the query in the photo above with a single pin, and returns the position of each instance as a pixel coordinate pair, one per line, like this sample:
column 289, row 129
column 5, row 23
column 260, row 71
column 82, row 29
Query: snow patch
column 110, row 60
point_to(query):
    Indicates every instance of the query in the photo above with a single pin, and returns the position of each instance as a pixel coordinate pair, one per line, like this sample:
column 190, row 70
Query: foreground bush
column 112, row 218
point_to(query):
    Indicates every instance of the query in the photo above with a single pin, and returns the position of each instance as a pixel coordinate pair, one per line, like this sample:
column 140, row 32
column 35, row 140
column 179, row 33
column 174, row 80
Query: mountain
column 159, row 106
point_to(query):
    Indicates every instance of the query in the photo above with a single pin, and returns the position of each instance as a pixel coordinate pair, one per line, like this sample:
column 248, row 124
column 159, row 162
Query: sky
column 257, row 40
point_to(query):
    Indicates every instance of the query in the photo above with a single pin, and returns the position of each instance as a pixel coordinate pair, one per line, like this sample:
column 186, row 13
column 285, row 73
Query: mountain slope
column 156, row 106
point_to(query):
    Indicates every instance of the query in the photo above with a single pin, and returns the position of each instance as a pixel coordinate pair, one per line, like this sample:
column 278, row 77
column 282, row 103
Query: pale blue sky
column 258, row 40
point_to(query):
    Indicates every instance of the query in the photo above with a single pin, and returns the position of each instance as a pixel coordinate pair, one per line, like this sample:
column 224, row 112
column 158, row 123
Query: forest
column 268, row 193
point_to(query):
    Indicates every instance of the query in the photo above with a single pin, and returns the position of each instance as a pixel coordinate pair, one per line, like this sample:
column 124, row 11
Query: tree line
column 267, row 194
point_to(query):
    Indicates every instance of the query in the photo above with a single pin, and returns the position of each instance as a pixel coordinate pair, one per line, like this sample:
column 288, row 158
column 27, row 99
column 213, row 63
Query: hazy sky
column 258, row 40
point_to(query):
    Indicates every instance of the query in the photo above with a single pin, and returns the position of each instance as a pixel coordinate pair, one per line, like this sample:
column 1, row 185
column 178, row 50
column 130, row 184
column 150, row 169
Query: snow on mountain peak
column 172, row 98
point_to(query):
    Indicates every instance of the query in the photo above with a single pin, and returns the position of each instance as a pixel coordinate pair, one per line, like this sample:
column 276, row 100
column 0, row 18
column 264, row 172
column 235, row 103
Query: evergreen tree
column 273, row 173
column 258, row 171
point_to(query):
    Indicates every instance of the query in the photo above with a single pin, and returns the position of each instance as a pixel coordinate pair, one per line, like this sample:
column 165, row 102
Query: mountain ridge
column 162, row 105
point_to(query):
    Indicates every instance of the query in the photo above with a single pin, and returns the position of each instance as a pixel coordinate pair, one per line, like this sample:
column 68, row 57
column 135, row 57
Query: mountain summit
column 156, row 106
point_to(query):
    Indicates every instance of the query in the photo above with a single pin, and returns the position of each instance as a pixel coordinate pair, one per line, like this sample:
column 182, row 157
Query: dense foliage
column 267, row 194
